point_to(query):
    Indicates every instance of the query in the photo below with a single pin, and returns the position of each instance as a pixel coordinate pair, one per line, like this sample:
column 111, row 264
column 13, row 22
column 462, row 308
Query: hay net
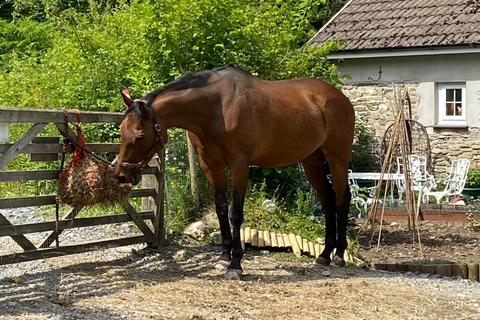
column 86, row 181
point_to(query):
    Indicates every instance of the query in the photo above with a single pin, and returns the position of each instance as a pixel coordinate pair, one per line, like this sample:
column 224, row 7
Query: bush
column 301, row 218
column 84, row 52
column 22, row 40
column 473, row 178
column 364, row 146
column 42, row 10
column 90, row 56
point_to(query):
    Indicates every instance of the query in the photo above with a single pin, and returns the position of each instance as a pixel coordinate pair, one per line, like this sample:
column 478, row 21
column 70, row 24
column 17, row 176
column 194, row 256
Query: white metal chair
column 455, row 182
column 420, row 178
column 357, row 200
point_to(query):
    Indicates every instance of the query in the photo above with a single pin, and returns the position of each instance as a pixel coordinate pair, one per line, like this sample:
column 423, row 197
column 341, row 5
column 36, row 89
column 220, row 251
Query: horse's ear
column 126, row 97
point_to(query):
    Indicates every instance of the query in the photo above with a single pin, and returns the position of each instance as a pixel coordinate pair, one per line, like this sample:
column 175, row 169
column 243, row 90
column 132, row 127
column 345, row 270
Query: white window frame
column 443, row 119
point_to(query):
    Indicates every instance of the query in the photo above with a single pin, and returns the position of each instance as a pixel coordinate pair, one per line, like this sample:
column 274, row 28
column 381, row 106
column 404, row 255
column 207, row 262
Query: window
column 451, row 104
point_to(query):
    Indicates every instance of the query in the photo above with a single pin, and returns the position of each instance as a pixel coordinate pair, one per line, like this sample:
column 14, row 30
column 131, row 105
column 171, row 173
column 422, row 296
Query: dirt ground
column 186, row 283
column 440, row 243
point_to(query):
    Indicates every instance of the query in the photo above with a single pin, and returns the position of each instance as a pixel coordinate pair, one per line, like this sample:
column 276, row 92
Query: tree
column 42, row 10
column 6, row 9
column 146, row 44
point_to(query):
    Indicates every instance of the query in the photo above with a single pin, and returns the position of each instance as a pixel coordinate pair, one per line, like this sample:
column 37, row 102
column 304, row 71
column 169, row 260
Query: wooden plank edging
column 469, row 271
column 260, row 239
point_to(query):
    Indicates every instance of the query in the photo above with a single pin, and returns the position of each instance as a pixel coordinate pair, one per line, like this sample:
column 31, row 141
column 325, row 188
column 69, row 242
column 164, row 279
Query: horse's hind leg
column 339, row 169
column 239, row 173
column 215, row 173
column 316, row 171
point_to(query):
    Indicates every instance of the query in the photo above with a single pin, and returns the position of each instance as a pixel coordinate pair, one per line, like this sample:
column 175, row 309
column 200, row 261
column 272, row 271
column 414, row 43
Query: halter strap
column 144, row 163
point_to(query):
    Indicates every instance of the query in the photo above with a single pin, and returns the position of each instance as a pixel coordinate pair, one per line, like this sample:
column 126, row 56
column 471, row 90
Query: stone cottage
column 432, row 47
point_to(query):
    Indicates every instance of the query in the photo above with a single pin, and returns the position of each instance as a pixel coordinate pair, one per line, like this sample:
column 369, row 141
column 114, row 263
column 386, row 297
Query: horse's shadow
column 55, row 290
column 58, row 288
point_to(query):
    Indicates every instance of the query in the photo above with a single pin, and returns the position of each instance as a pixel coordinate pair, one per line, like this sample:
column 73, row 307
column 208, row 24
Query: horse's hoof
column 338, row 262
column 323, row 261
column 233, row 274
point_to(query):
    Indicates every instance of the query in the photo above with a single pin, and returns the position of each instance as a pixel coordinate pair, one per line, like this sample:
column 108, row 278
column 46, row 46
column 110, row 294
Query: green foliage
column 6, row 9
column 281, row 182
column 298, row 219
column 42, row 10
column 363, row 151
column 88, row 62
column 80, row 52
column 473, row 178
column 145, row 45
column 22, row 40
column 179, row 202
column 262, row 36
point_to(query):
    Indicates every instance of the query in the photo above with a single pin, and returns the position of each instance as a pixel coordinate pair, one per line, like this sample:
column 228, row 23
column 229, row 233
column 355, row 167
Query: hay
column 86, row 181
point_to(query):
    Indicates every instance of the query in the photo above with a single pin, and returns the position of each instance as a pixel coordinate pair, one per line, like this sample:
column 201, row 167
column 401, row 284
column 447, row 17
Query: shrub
column 301, row 219
column 21, row 40
column 85, row 53
column 364, row 146
column 473, row 178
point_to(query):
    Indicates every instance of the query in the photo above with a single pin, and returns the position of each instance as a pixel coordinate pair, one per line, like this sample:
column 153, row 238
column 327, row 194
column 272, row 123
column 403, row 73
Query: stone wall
column 448, row 144
column 372, row 105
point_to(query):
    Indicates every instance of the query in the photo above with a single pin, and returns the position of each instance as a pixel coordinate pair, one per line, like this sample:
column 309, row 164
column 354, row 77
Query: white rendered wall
column 426, row 71
column 444, row 68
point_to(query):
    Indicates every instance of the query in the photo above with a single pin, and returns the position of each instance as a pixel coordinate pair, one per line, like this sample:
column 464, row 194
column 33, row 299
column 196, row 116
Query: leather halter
column 144, row 163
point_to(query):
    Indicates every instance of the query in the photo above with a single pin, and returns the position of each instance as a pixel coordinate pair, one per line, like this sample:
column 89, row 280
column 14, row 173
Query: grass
column 299, row 219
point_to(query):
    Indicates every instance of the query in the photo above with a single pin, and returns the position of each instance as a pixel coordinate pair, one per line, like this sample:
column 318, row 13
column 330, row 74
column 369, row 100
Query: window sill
column 450, row 126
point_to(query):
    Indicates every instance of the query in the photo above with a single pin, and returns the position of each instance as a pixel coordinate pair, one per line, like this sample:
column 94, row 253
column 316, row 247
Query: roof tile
column 389, row 24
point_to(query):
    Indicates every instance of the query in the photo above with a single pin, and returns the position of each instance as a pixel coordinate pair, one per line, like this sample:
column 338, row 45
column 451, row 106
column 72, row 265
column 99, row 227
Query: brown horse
column 235, row 120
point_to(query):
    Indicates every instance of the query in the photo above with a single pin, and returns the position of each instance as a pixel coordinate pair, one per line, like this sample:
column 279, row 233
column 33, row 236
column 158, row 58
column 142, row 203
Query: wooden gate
column 150, row 221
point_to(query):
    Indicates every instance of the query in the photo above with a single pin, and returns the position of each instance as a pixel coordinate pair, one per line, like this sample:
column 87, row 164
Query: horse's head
column 141, row 138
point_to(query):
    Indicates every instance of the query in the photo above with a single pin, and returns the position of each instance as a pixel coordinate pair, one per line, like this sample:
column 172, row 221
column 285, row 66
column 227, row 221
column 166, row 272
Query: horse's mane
column 189, row 80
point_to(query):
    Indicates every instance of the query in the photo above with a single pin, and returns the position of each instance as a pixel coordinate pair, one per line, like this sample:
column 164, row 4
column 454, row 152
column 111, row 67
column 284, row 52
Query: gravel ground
column 27, row 215
column 187, row 283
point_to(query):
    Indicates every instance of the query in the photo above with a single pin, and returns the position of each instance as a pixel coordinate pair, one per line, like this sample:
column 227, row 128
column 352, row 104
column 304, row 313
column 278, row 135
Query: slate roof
column 397, row 24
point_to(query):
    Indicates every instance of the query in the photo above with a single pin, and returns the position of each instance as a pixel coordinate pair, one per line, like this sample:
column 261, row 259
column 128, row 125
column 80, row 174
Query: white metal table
column 376, row 176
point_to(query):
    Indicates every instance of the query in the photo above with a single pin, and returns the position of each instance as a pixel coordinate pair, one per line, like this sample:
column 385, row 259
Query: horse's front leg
column 240, row 182
column 215, row 172
column 221, row 207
